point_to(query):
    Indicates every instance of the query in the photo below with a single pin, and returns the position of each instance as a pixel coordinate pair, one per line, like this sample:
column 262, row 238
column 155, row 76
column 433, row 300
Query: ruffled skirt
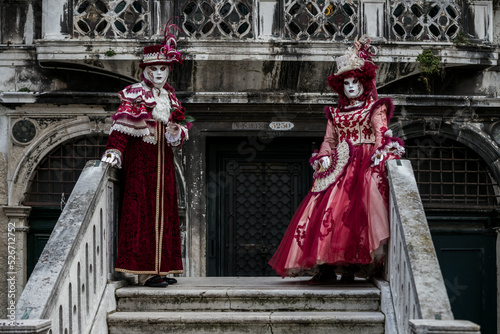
column 345, row 225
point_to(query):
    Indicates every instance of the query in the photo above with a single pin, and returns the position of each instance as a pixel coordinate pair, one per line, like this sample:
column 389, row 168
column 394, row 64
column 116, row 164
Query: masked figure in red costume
column 343, row 223
column 148, row 123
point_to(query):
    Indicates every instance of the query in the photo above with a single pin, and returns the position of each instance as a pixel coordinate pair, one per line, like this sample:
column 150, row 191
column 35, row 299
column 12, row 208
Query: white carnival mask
column 352, row 88
column 157, row 74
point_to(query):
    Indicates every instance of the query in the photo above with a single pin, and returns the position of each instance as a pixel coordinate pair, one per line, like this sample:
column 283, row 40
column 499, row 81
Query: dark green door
column 41, row 222
column 253, row 189
column 467, row 257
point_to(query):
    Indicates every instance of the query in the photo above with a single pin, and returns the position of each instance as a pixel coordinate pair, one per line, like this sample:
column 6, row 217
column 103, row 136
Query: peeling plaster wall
column 13, row 28
column 21, row 21
column 24, row 73
column 251, row 76
column 490, row 84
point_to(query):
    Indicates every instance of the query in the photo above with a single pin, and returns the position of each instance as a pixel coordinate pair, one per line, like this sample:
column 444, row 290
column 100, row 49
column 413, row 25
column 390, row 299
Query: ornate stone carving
column 321, row 20
column 425, row 20
column 111, row 19
column 217, row 19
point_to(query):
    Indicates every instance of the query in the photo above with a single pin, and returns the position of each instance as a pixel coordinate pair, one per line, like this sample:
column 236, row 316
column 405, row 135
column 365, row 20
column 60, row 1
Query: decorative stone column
column 56, row 11
column 373, row 18
column 17, row 232
column 266, row 12
column 161, row 12
column 482, row 17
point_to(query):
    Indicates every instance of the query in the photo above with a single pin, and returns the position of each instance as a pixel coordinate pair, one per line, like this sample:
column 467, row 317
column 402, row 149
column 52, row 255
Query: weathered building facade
column 254, row 77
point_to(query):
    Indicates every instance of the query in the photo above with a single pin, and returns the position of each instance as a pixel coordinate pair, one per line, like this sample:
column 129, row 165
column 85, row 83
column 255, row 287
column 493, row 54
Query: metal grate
column 425, row 20
column 260, row 202
column 57, row 174
column 111, row 19
column 217, row 19
column 321, row 20
column 450, row 174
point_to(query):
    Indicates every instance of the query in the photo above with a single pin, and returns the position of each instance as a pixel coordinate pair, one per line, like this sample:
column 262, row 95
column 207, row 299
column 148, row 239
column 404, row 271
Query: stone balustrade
column 419, row 300
column 70, row 281
column 328, row 20
column 68, row 290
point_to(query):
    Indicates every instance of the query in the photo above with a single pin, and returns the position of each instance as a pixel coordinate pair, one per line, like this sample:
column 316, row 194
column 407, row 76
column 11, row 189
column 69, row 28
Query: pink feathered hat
column 356, row 62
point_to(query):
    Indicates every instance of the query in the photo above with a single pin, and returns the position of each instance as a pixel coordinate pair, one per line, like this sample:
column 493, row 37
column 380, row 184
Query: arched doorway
column 460, row 197
column 51, row 185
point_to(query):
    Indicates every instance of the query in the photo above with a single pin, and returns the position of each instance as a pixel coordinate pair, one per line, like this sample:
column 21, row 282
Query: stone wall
column 3, row 236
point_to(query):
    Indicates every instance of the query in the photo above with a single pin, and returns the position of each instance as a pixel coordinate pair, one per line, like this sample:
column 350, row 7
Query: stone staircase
column 248, row 305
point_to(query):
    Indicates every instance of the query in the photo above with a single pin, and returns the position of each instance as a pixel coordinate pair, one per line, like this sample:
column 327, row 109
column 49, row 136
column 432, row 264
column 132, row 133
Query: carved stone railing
column 418, row 295
column 327, row 20
column 111, row 19
column 69, row 285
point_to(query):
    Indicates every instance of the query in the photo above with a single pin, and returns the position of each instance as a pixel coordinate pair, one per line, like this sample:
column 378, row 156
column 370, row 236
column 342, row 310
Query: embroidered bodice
column 354, row 125
column 359, row 125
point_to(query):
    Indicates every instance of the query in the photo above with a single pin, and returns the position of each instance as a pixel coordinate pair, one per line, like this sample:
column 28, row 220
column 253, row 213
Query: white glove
column 173, row 133
column 315, row 165
column 113, row 159
column 325, row 162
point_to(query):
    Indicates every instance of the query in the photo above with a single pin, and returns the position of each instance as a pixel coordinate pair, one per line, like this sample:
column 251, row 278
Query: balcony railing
column 111, row 19
column 329, row 20
column 394, row 21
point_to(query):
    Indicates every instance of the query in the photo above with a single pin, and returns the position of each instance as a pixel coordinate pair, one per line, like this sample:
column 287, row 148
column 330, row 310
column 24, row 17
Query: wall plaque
column 281, row 126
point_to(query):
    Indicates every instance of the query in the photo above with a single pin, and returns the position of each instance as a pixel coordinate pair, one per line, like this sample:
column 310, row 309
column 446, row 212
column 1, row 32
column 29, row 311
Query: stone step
column 249, row 294
column 246, row 322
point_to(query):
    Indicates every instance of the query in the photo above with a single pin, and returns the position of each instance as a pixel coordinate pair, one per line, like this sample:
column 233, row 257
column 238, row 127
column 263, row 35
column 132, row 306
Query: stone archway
column 46, row 142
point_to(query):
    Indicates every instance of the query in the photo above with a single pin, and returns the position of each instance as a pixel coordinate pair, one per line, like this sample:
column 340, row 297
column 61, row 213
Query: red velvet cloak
column 149, row 232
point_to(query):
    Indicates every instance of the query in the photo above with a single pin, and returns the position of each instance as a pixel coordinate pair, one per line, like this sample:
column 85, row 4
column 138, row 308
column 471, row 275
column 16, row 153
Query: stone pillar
column 29, row 27
column 56, row 22
column 482, row 17
column 266, row 12
column 17, row 232
column 161, row 12
column 373, row 19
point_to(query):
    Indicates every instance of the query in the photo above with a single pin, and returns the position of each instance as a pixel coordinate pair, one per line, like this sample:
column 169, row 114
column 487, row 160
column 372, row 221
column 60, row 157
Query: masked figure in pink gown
column 343, row 223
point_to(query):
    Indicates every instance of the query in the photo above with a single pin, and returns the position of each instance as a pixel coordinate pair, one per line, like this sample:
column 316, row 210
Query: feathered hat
column 356, row 62
column 165, row 53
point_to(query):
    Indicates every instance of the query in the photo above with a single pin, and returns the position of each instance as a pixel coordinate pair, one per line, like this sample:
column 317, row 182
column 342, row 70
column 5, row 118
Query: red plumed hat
column 165, row 53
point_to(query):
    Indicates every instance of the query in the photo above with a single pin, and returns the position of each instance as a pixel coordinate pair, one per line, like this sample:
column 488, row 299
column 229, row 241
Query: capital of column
column 16, row 212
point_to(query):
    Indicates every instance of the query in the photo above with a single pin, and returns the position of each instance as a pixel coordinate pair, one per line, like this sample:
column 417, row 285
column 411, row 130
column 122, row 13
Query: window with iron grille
column 57, row 174
column 425, row 20
column 111, row 19
column 451, row 175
